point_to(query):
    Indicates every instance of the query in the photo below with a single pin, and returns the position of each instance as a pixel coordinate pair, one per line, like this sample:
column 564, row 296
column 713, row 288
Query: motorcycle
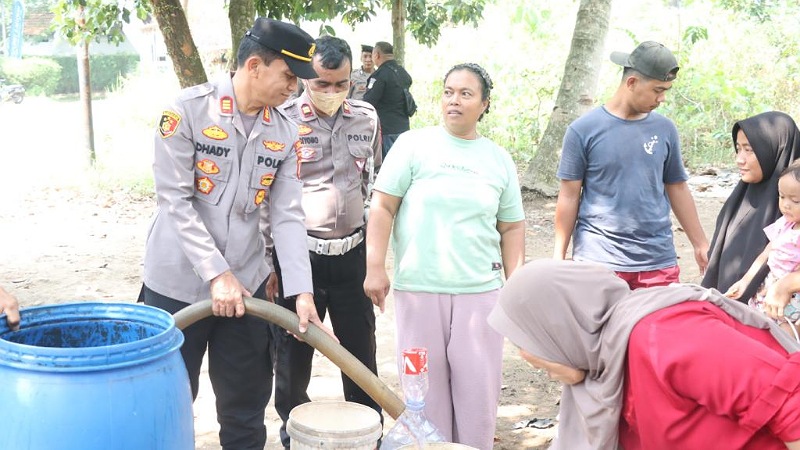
column 11, row 92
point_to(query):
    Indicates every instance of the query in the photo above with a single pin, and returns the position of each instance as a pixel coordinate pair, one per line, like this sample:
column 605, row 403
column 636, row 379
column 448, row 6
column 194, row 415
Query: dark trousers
column 239, row 366
column 338, row 289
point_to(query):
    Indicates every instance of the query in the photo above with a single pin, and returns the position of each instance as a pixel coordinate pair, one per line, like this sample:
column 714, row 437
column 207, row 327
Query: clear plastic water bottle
column 412, row 427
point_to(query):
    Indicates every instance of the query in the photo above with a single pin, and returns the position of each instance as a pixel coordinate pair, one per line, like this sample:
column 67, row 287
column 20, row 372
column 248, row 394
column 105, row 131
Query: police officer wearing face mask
column 339, row 146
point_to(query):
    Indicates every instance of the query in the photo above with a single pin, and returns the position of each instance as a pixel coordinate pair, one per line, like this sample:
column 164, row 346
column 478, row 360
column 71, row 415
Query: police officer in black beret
column 359, row 77
column 224, row 157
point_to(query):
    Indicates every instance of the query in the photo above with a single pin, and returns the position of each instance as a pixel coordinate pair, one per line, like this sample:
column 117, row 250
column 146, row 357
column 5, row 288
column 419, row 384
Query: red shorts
column 650, row 278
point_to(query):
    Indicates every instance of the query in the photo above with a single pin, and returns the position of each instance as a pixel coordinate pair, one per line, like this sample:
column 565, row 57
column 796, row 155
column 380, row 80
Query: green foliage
column 38, row 75
column 351, row 11
column 693, row 34
column 82, row 21
column 759, row 10
column 59, row 75
column 106, row 71
column 426, row 17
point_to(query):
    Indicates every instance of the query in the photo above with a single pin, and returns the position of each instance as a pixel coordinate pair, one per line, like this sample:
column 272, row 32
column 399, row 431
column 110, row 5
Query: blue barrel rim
column 84, row 359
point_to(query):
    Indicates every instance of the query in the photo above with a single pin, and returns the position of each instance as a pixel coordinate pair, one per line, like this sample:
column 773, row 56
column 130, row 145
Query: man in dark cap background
column 359, row 76
column 621, row 171
column 224, row 158
column 385, row 93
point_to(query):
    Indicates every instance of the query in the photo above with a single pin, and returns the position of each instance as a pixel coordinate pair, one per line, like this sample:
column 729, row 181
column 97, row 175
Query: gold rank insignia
column 168, row 123
column 204, row 185
column 226, row 105
column 260, row 196
column 266, row 117
column 267, row 179
column 208, row 166
column 273, row 146
column 346, row 107
column 215, row 132
column 303, row 130
column 312, row 50
column 306, row 110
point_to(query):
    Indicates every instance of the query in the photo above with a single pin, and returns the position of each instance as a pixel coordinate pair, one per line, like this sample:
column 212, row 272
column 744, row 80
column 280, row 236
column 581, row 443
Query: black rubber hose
column 314, row 337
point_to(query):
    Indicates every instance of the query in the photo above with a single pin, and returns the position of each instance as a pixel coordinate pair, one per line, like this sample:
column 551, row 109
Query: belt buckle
column 336, row 247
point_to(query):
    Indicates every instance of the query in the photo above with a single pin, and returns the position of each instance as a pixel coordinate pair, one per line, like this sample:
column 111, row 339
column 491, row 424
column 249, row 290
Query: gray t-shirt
column 624, row 215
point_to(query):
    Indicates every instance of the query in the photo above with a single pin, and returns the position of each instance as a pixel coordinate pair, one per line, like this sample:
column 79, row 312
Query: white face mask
column 327, row 103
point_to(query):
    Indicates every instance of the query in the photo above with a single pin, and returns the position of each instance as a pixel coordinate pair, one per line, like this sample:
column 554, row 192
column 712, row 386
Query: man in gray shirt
column 621, row 172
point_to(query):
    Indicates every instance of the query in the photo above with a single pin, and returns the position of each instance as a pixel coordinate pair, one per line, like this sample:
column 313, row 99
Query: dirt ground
column 63, row 241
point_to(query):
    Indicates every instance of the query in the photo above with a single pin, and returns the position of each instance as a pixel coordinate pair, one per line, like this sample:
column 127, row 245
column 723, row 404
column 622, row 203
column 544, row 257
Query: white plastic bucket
column 334, row 425
column 439, row 446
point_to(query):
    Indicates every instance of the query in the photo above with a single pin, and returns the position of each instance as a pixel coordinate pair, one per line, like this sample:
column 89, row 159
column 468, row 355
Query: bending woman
column 661, row 368
column 455, row 203
column 765, row 145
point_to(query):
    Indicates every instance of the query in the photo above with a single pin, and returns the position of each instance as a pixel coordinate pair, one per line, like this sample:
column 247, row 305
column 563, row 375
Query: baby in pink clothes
column 782, row 254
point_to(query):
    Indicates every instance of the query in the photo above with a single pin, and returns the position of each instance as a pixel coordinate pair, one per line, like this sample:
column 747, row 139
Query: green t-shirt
column 454, row 191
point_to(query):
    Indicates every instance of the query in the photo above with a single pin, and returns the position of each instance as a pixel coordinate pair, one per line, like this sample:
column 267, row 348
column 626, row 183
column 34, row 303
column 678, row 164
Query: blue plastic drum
column 94, row 376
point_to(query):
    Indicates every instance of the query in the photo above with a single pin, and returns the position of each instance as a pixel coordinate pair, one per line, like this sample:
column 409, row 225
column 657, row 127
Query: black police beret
column 294, row 45
column 366, row 48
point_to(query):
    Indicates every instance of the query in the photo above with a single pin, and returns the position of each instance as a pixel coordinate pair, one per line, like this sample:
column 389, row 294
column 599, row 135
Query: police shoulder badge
column 168, row 123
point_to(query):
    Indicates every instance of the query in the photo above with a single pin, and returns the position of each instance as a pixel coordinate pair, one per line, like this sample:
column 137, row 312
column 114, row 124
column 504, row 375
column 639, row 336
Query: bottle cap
column 415, row 361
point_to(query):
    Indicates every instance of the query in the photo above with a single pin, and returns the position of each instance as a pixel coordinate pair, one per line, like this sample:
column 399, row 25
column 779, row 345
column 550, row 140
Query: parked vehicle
column 11, row 92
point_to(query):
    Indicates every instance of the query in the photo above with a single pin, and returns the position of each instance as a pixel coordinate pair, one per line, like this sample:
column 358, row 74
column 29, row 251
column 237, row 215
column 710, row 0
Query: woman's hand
column 376, row 287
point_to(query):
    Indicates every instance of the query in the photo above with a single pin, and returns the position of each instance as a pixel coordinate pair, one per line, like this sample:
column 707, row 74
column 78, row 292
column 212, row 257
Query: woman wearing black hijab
column 774, row 141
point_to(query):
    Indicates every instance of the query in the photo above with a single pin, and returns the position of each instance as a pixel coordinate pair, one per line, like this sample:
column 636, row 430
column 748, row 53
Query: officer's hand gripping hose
column 314, row 337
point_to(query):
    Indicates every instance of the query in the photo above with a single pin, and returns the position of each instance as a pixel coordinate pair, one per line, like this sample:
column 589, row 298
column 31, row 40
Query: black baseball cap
column 295, row 46
column 651, row 59
column 366, row 48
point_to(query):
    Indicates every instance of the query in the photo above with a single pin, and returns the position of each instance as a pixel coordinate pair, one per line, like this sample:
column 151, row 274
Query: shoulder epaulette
column 196, row 91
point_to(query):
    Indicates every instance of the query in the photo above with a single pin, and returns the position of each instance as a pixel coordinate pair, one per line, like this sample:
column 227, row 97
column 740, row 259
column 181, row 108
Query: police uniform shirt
column 334, row 161
column 359, row 79
column 212, row 182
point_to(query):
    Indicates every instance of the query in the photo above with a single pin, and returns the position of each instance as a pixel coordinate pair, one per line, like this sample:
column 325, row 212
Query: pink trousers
column 465, row 359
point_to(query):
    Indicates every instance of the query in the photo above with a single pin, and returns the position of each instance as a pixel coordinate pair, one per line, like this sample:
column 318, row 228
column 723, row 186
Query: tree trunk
column 180, row 45
column 241, row 14
column 575, row 96
column 399, row 30
column 85, row 89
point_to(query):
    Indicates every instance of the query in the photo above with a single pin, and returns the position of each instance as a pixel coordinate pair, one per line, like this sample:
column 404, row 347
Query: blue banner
column 15, row 34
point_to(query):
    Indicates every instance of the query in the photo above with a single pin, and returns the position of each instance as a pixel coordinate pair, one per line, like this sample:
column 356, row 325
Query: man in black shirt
column 385, row 92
